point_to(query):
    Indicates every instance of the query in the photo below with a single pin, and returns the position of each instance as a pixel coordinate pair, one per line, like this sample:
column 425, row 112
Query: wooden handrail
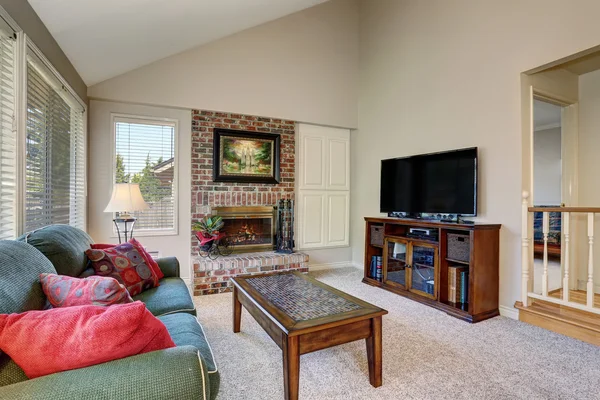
column 565, row 209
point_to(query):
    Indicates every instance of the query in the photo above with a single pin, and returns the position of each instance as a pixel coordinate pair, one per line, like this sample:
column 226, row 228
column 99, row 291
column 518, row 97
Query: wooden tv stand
column 426, row 278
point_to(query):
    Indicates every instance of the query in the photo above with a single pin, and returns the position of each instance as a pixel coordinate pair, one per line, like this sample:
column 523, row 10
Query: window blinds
column 145, row 154
column 8, row 137
column 55, row 150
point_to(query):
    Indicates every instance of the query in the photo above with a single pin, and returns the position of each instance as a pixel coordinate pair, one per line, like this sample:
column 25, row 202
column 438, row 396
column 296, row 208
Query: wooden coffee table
column 303, row 315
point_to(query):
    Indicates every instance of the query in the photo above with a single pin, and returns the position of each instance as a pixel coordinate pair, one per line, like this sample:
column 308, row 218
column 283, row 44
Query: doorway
column 547, row 154
column 547, row 187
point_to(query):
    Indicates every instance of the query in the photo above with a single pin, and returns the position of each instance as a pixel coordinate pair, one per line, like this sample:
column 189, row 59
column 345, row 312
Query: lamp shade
column 126, row 197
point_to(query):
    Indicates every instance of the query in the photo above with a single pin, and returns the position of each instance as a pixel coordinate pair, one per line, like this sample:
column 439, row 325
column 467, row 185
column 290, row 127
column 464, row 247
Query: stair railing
column 526, row 256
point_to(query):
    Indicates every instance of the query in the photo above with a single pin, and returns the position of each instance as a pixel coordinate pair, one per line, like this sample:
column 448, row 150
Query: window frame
column 150, row 120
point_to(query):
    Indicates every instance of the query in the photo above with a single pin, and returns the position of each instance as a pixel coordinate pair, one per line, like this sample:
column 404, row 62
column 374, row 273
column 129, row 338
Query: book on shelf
column 373, row 268
column 455, row 288
column 376, row 268
column 464, row 287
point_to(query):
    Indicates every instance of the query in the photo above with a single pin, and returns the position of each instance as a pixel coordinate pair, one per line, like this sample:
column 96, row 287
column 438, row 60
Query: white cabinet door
column 338, row 216
column 312, row 219
column 312, row 162
column 323, row 186
column 338, row 163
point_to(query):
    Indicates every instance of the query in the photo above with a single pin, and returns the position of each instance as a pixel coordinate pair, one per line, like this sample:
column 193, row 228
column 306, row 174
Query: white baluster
column 524, row 250
column 566, row 286
column 590, row 282
column 545, row 230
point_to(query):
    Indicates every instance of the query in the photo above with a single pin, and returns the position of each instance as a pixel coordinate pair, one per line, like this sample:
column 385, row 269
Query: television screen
column 439, row 183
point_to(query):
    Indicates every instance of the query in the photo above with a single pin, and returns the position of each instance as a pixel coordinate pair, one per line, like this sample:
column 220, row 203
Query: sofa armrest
column 175, row 373
column 169, row 266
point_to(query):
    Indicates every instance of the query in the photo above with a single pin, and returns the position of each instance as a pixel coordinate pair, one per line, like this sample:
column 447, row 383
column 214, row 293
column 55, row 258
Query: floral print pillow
column 124, row 263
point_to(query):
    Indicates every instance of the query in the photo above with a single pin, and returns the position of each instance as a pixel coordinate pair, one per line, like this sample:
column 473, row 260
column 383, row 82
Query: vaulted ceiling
column 105, row 38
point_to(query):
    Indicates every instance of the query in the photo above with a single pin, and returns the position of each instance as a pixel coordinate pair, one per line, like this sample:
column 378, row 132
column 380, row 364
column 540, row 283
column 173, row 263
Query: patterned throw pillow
column 147, row 257
column 66, row 291
column 124, row 263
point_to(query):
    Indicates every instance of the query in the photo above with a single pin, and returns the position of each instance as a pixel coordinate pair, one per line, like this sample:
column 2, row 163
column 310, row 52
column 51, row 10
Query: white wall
column 589, row 160
column 438, row 75
column 547, row 167
column 100, row 225
column 302, row 67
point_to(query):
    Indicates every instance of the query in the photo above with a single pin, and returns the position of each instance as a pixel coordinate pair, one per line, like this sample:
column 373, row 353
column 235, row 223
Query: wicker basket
column 459, row 247
column 377, row 235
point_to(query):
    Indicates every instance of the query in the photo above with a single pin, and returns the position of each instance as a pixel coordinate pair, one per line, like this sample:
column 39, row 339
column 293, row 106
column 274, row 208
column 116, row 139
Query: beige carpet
column 426, row 355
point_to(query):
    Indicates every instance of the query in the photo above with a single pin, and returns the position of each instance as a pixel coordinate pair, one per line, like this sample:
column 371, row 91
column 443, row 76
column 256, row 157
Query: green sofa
column 187, row 371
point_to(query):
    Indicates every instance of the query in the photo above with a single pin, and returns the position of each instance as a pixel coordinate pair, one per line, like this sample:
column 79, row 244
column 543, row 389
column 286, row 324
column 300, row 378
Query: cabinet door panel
column 337, row 219
column 396, row 253
column 312, row 219
column 338, row 177
column 423, row 276
column 312, row 164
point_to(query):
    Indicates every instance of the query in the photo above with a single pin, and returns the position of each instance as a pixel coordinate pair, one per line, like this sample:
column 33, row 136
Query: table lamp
column 126, row 197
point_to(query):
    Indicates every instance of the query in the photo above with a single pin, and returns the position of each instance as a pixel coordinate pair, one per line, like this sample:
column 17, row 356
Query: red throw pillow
column 126, row 264
column 66, row 291
column 61, row 339
column 149, row 260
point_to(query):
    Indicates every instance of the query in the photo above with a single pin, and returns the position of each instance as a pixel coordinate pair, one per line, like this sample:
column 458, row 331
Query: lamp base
column 124, row 225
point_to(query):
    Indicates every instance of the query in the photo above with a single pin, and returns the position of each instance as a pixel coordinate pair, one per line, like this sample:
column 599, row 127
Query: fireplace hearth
column 249, row 228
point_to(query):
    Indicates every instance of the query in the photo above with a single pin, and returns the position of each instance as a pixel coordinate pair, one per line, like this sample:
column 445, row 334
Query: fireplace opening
column 248, row 228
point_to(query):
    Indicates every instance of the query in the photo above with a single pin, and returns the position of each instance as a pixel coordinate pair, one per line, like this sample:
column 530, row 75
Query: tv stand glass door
column 423, row 269
column 395, row 268
column 411, row 265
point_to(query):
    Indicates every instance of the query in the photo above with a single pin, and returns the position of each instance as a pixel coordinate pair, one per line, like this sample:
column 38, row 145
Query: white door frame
column 569, row 165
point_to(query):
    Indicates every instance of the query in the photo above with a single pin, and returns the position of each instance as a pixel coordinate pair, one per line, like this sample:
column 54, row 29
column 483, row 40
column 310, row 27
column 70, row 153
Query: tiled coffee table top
column 299, row 298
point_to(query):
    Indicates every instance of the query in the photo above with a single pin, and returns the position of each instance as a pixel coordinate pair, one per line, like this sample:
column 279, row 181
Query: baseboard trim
column 509, row 312
column 358, row 265
column 320, row 267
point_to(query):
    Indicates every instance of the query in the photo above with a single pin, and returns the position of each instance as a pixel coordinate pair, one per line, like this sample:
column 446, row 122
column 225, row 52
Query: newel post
column 525, row 250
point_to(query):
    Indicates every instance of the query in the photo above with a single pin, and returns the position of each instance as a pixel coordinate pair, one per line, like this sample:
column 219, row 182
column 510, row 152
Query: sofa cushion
column 61, row 339
column 185, row 330
column 20, row 267
column 10, row 372
column 171, row 296
column 66, row 291
column 63, row 245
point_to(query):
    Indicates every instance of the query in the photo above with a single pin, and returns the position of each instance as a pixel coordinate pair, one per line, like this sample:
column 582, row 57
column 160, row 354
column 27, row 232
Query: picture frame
column 246, row 156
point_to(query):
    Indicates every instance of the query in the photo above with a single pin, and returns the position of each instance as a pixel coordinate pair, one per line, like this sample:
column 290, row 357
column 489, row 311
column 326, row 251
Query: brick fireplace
column 208, row 197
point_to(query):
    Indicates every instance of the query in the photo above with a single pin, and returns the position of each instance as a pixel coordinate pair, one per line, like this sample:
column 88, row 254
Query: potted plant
column 207, row 230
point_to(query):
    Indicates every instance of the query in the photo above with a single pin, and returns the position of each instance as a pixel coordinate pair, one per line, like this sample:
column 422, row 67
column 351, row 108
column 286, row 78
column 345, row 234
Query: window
column 42, row 140
column 55, row 150
column 8, row 134
column 145, row 154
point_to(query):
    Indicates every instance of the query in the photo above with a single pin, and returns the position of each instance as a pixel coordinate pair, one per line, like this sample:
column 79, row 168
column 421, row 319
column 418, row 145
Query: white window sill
column 144, row 233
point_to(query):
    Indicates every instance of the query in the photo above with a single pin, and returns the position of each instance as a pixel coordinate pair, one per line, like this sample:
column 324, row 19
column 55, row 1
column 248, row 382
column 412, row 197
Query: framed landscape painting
column 243, row 156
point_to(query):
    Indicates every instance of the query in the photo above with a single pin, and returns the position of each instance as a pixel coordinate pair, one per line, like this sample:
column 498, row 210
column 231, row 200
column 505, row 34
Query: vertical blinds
column 55, row 166
column 145, row 154
column 8, row 137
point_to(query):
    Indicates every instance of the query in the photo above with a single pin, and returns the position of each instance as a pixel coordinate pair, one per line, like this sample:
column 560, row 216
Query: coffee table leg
column 237, row 311
column 374, row 352
column 291, row 367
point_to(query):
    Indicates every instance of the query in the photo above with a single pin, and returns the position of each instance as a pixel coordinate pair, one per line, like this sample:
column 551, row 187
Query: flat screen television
column 438, row 183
